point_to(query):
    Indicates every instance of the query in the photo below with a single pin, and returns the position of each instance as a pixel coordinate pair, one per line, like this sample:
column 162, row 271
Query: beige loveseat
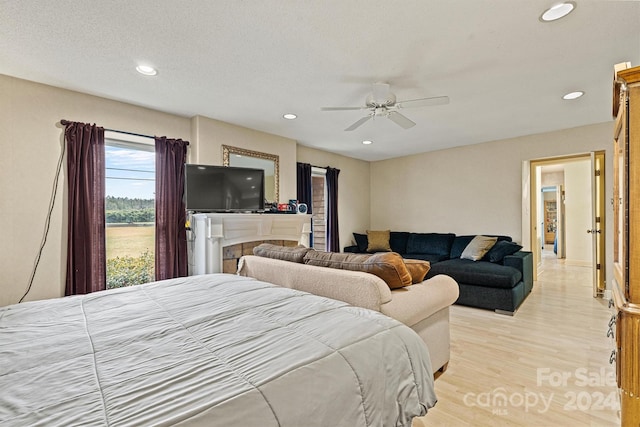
column 423, row 306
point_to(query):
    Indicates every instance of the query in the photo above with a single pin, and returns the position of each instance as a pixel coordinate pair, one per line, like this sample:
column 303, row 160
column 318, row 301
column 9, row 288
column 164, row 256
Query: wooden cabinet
column 550, row 221
column 626, row 242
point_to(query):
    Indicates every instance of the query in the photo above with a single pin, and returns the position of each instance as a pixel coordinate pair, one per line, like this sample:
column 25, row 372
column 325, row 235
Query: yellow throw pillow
column 418, row 269
column 390, row 267
column 378, row 241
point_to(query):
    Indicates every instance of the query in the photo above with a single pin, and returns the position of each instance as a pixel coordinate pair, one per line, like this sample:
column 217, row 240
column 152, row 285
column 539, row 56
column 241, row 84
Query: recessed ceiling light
column 146, row 70
column 573, row 95
column 367, row 142
column 557, row 11
column 289, row 116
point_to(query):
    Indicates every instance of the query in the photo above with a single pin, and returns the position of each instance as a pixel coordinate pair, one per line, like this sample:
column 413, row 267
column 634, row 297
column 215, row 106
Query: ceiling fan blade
column 342, row 108
column 400, row 120
column 423, row 102
column 380, row 92
column 359, row 123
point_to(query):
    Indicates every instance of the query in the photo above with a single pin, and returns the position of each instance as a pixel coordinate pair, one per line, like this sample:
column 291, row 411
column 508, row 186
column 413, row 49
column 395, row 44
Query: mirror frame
column 227, row 150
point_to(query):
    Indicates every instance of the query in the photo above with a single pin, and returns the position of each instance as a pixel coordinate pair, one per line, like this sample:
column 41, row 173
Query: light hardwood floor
column 546, row 366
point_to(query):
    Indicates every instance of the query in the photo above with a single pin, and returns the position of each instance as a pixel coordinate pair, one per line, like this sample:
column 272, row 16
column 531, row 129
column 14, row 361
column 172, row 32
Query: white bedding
column 213, row 350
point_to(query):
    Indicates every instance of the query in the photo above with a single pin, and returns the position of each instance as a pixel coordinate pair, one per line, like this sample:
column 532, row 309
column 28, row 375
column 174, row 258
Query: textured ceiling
column 248, row 62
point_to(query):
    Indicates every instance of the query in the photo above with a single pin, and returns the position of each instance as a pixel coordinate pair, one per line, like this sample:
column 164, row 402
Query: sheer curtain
column 86, row 257
column 333, row 236
column 171, row 234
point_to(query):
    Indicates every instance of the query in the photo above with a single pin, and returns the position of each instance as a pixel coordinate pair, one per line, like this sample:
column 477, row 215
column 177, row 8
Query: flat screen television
column 223, row 189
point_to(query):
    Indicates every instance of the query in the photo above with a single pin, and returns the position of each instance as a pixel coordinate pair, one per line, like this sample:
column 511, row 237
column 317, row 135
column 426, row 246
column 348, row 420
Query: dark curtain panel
column 304, row 189
column 86, row 258
column 303, row 183
column 333, row 238
column 171, row 234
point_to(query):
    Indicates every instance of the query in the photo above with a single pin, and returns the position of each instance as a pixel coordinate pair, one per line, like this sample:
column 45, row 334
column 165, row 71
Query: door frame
column 598, row 206
column 599, row 217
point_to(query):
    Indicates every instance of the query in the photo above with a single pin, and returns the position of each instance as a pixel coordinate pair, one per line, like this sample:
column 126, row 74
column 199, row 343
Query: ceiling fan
column 382, row 103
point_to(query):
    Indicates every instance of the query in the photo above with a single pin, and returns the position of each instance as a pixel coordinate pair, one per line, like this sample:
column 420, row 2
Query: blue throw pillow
column 501, row 249
column 459, row 243
column 362, row 241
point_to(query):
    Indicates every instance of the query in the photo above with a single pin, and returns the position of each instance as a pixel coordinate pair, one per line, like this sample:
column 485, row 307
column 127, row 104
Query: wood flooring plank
column 546, row 366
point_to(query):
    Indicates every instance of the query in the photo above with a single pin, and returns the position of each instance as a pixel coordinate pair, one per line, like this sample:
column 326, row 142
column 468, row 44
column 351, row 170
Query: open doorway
column 567, row 213
column 552, row 227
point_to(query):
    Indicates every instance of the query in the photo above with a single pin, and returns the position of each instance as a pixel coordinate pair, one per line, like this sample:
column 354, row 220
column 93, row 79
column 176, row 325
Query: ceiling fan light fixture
column 382, row 103
column 146, row 70
column 573, row 95
column 557, row 11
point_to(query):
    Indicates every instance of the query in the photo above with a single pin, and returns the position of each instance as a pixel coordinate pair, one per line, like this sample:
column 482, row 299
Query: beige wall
column 353, row 189
column 210, row 135
column 472, row 189
column 478, row 188
column 31, row 142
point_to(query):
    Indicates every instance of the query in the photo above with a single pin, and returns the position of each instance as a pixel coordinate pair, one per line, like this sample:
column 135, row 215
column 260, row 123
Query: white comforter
column 214, row 350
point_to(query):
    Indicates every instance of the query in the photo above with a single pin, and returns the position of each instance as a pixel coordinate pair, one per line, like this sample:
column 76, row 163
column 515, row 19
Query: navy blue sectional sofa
column 500, row 281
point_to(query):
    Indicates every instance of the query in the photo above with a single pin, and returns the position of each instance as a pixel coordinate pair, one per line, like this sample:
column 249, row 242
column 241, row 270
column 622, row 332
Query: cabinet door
column 626, row 240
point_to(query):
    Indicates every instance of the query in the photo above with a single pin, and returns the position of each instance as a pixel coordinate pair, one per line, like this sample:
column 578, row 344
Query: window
column 129, row 210
column 319, row 208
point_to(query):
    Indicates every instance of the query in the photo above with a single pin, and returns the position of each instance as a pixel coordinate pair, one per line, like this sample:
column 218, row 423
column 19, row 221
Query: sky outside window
column 130, row 172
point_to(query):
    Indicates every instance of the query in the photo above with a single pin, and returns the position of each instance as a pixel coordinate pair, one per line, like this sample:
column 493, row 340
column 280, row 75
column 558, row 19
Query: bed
column 211, row 350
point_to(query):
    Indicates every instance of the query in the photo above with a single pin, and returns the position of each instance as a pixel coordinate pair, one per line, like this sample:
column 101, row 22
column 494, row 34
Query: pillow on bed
column 285, row 253
column 418, row 269
column 389, row 266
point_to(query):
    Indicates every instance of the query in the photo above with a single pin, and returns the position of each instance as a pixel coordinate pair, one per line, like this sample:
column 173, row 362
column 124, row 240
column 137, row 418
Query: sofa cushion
column 398, row 241
column 430, row 243
column 480, row 273
column 461, row 242
column 500, row 250
column 361, row 241
column 427, row 257
column 417, row 269
column 478, row 247
column 285, row 253
column 389, row 266
column 378, row 240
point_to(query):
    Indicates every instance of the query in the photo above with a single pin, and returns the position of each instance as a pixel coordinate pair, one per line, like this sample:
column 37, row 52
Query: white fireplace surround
column 211, row 232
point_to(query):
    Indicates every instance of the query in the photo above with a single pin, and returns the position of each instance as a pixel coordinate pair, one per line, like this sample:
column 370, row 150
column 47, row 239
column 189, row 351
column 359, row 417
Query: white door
column 578, row 205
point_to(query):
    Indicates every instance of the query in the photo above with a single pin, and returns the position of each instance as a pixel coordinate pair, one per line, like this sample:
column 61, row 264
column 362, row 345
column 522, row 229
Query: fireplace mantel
column 211, row 232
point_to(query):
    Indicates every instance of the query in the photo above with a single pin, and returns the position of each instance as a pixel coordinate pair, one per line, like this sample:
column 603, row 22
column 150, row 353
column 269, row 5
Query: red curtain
column 86, row 258
column 171, row 234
